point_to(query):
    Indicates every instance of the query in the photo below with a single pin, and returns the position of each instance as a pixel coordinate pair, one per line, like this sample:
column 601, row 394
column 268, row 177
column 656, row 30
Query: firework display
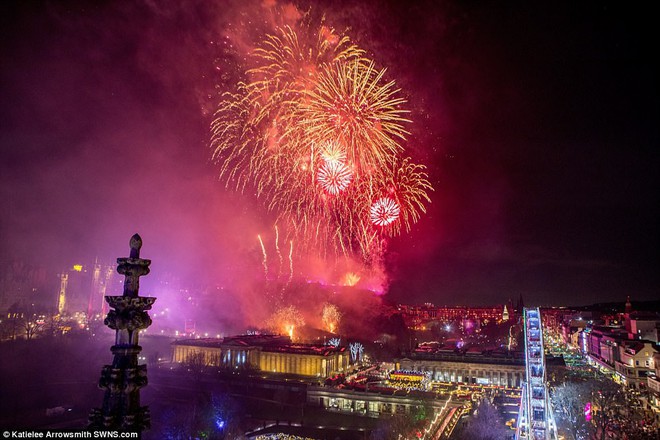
column 350, row 279
column 331, row 317
column 317, row 131
column 384, row 211
column 334, row 176
column 285, row 321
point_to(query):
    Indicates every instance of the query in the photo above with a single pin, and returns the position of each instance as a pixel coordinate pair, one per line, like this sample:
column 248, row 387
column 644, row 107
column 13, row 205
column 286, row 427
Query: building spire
column 628, row 305
column 520, row 305
column 123, row 379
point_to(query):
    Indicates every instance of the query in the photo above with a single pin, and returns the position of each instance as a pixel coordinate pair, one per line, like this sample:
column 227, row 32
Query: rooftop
column 483, row 357
column 239, row 341
column 267, row 343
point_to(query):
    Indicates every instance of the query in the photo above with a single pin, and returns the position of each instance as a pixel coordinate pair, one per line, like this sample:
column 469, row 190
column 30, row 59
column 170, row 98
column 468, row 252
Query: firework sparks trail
column 265, row 263
column 277, row 248
column 318, row 132
column 265, row 260
column 290, row 261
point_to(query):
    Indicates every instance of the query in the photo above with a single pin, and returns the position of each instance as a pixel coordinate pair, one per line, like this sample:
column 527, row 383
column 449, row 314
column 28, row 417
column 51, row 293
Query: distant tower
column 123, row 379
column 628, row 305
column 109, row 275
column 626, row 316
column 505, row 314
column 96, row 275
column 101, row 278
column 520, row 305
column 61, row 299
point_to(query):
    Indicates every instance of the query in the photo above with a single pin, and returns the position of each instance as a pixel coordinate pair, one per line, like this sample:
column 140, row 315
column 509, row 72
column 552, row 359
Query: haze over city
column 537, row 124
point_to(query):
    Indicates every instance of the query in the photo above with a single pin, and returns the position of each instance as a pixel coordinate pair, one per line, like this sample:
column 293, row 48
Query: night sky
column 537, row 120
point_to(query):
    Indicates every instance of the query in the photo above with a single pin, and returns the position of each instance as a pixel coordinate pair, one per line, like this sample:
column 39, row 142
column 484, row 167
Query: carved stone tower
column 123, row 379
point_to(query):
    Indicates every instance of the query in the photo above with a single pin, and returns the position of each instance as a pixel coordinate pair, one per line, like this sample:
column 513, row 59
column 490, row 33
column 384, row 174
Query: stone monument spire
column 123, row 379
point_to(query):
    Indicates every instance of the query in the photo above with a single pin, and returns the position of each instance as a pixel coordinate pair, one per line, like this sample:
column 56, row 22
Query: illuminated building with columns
column 507, row 370
column 271, row 353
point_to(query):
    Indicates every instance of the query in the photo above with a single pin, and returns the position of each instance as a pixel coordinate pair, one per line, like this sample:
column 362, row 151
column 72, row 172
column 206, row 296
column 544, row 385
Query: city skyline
column 536, row 124
column 413, row 372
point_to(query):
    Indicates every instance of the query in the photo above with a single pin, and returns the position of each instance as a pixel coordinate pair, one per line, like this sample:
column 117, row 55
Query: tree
column 51, row 327
column 152, row 359
column 396, row 427
column 225, row 413
column 13, row 323
column 174, row 425
column 195, row 363
column 569, row 401
column 209, row 416
column 30, row 327
column 613, row 413
column 405, row 425
column 485, row 424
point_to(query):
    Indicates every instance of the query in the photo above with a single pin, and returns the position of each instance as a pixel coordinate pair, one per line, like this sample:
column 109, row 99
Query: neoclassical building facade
column 485, row 369
column 272, row 353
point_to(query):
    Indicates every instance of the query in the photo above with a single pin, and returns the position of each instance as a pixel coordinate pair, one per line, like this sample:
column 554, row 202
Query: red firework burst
column 334, row 176
column 384, row 211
